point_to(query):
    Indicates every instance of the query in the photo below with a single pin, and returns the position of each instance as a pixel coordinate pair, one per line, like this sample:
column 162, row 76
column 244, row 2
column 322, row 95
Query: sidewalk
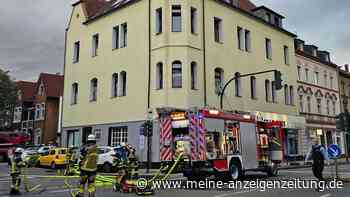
column 302, row 164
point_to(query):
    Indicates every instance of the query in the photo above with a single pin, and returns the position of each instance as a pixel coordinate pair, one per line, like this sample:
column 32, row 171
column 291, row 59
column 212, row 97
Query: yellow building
column 126, row 57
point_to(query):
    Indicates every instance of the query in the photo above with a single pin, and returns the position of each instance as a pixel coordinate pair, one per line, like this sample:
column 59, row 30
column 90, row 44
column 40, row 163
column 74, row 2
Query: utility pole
column 149, row 134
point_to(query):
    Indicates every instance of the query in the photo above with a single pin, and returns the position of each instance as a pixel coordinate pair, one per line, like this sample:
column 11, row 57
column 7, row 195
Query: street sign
column 334, row 151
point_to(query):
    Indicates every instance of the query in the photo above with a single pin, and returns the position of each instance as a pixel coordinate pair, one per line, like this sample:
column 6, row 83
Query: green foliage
column 8, row 91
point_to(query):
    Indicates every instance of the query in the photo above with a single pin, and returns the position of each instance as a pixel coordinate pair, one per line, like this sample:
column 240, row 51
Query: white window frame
column 159, row 20
column 115, row 37
column 118, row 135
column 123, row 35
column 268, row 48
column 194, row 20
column 95, row 45
column 176, row 18
column 76, row 52
column 218, row 30
column 286, row 54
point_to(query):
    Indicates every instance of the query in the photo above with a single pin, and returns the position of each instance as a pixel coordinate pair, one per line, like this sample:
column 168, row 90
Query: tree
column 8, row 91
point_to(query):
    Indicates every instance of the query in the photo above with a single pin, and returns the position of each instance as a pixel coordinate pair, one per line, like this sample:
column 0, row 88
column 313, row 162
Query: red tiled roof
column 27, row 89
column 94, row 8
column 53, row 84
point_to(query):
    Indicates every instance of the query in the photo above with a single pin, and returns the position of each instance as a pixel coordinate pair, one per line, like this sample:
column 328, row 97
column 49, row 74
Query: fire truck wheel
column 235, row 170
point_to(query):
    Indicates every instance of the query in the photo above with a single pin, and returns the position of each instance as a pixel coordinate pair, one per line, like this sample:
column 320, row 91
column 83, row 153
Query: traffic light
column 340, row 123
column 278, row 80
column 149, row 128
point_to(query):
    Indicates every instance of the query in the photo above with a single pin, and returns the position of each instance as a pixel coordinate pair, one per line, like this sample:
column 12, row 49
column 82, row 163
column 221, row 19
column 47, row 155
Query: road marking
column 235, row 193
column 326, row 195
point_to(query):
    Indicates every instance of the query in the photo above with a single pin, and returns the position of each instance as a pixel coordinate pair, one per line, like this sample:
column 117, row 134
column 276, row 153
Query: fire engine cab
column 220, row 143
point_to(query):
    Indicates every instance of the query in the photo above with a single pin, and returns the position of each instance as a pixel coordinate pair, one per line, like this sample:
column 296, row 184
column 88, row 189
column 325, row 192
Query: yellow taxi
column 54, row 157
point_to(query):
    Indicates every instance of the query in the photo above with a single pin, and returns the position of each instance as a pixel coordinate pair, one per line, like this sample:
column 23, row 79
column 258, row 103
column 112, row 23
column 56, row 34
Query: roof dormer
column 269, row 16
column 311, row 50
column 324, row 56
column 299, row 44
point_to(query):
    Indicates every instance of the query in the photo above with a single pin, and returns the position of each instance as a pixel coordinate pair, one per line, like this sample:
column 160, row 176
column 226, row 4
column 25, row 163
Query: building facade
column 344, row 91
column 127, row 58
column 318, row 95
column 23, row 118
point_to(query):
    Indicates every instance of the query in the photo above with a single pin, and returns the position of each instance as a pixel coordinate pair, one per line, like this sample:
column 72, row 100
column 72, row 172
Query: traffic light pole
column 240, row 76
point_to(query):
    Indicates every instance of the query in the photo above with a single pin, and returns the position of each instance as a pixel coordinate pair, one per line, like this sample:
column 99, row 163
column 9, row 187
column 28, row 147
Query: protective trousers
column 317, row 169
column 16, row 182
column 89, row 178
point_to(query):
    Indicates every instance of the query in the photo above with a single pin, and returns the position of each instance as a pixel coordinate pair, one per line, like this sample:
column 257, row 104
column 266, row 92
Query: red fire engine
column 217, row 143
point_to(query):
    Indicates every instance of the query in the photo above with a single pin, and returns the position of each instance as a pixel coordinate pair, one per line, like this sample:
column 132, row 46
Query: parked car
column 53, row 158
column 31, row 155
column 43, row 150
column 106, row 158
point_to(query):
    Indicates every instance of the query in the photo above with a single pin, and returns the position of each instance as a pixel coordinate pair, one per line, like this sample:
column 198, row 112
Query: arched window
column 286, row 94
column 237, row 84
column 301, row 103
column 219, row 80
column 93, row 90
column 74, row 97
column 253, row 87
column 194, row 75
column 122, row 83
column 328, row 107
column 114, row 85
column 159, row 76
column 176, row 74
column 267, row 91
column 291, row 95
column 308, row 100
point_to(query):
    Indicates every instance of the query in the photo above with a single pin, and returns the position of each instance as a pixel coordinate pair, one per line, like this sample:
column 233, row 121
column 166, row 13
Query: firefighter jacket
column 88, row 158
column 16, row 164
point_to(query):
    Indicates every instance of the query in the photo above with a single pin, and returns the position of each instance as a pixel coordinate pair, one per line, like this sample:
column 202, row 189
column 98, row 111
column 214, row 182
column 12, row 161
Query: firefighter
column 70, row 161
column 319, row 155
column 88, row 167
column 16, row 163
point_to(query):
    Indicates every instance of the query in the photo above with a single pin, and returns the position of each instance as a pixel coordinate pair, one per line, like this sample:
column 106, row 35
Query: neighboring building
column 48, row 91
column 23, row 118
column 318, row 95
column 344, row 89
column 124, row 57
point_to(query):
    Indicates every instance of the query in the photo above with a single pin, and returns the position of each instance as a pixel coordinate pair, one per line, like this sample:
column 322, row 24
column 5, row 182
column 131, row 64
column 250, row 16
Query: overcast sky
column 32, row 31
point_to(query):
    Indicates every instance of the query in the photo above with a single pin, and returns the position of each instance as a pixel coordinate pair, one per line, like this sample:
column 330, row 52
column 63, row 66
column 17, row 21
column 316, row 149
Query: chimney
column 346, row 66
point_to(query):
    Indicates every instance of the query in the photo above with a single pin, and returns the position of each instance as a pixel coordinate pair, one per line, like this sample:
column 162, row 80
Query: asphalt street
column 55, row 187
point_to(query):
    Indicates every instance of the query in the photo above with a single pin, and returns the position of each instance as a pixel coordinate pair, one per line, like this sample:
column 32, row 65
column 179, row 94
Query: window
column 334, row 108
column 267, row 91
column 93, row 90
column 17, row 115
column 253, row 87
column 325, row 80
column 159, row 21
column 95, row 40
column 286, row 55
column 238, row 84
column 268, row 17
column 176, row 18
column 268, row 48
column 342, row 84
column 317, row 78
column 306, row 74
column 193, row 75
column 319, row 110
column 219, row 80
column 193, row 20
column 301, row 103
column 331, row 82
column 159, row 76
column 117, row 135
column 176, row 74
column 247, row 41
column 40, row 111
column 122, row 83
column 277, row 21
column 124, row 35
column 114, row 85
column 76, row 52
column 74, row 98
column 308, row 100
column 240, row 37
column 41, row 90
column 115, row 37
column 218, row 29
column 328, row 107
column 274, row 92
column 291, row 95
column 299, row 72
column 286, row 95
